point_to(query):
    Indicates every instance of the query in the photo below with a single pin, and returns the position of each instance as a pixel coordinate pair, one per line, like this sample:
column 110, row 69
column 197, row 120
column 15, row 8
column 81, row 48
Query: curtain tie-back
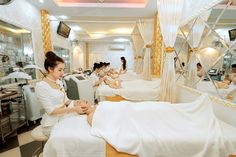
column 169, row 49
column 148, row 46
column 139, row 57
column 194, row 49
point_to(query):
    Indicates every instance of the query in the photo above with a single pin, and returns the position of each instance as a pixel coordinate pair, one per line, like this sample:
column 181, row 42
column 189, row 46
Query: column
column 46, row 32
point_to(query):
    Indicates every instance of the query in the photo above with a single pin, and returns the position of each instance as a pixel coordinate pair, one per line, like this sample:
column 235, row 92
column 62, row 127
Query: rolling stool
column 38, row 135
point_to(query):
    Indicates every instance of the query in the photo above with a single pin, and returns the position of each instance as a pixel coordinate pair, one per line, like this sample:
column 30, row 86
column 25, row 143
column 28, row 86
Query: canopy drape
column 138, row 45
column 170, row 13
column 146, row 29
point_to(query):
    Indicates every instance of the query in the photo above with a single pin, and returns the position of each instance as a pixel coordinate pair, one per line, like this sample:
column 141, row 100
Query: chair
column 38, row 135
column 34, row 110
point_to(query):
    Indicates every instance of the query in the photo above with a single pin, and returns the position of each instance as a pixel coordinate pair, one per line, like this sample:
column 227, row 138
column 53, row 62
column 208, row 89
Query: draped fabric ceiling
column 146, row 28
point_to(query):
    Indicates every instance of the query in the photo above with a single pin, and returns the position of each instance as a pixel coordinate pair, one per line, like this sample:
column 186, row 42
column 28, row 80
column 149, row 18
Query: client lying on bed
column 158, row 129
column 112, row 83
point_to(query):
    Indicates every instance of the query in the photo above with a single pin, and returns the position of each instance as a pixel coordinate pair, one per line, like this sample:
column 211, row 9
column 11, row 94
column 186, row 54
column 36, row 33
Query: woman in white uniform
column 52, row 96
column 96, row 80
column 123, row 68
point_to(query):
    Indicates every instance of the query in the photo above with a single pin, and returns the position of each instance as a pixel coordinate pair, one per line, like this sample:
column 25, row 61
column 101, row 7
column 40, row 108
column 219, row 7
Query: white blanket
column 208, row 87
column 135, row 90
column 71, row 138
column 159, row 129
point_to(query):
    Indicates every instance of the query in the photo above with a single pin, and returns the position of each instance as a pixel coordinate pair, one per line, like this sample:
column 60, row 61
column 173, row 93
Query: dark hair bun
column 50, row 54
column 52, row 60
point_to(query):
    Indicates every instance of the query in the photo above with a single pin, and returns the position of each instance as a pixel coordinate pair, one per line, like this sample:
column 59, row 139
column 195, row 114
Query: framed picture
column 63, row 30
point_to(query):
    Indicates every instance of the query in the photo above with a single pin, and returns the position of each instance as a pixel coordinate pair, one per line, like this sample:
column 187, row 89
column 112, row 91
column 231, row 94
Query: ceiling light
column 97, row 35
column 41, row 1
column 63, row 17
column 76, row 28
column 121, row 40
column 52, row 18
column 122, row 31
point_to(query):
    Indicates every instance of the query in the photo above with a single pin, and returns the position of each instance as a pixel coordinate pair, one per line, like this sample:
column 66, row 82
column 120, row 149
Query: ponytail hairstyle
column 52, row 60
column 123, row 62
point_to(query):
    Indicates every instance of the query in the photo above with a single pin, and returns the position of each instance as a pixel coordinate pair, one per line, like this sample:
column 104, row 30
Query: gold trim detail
column 194, row 49
column 148, row 46
column 169, row 49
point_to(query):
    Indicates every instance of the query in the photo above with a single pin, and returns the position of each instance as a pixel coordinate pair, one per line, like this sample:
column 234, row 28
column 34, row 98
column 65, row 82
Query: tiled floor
column 20, row 144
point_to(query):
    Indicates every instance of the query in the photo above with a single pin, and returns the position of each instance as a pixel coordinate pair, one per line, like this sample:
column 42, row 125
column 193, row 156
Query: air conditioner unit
column 5, row 2
column 117, row 47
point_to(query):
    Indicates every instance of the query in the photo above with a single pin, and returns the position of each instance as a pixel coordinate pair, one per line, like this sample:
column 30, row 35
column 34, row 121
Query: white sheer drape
column 134, row 54
column 170, row 13
column 194, row 40
column 146, row 29
column 138, row 44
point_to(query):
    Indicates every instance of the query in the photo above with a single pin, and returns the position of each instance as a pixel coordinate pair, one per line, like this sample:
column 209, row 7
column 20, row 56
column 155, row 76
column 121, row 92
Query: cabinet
column 12, row 112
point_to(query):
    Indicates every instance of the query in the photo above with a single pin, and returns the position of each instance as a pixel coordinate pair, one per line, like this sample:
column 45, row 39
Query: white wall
column 23, row 14
column 100, row 51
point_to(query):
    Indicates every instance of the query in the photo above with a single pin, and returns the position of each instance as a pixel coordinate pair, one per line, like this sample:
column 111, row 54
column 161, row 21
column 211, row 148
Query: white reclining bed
column 133, row 90
column 167, row 130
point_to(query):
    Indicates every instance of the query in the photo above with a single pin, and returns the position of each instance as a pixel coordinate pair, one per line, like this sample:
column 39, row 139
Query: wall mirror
column 65, row 55
column 16, row 51
column 207, row 51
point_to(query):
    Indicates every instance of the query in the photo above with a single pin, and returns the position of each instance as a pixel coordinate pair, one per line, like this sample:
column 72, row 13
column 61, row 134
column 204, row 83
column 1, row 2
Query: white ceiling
column 99, row 20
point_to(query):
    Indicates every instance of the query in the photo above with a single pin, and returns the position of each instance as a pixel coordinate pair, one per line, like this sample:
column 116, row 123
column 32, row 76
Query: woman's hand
column 82, row 103
column 80, row 109
column 90, row 109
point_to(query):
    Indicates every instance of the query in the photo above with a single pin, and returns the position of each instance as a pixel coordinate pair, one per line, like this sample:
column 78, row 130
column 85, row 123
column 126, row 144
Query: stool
column 38, row 135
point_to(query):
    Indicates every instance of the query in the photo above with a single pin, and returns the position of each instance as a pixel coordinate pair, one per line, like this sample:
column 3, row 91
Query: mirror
column 16, row 51
column 65, row 55
column 214, row 55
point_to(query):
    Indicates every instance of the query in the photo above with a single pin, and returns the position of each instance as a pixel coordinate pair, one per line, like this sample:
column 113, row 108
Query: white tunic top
column 94, row 77
column 50, row 99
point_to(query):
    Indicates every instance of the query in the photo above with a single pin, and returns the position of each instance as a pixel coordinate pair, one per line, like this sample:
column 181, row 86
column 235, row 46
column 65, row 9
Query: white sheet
column 71, row 138
column 135, row 90
column 208, row 87
column 157, row 129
